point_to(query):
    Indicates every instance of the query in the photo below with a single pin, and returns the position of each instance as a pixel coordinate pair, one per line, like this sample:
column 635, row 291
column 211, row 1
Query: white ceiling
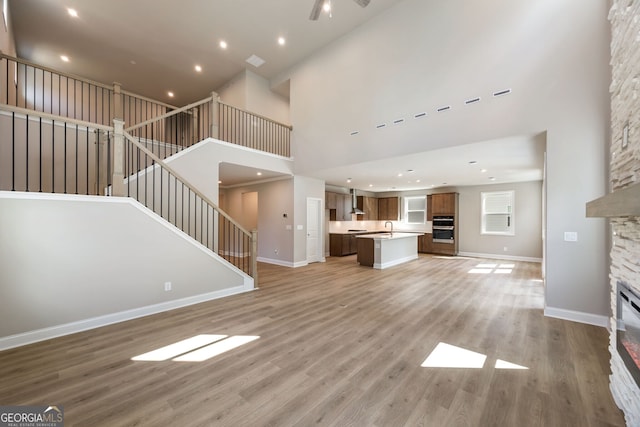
column 167, row 38
column 152, row 46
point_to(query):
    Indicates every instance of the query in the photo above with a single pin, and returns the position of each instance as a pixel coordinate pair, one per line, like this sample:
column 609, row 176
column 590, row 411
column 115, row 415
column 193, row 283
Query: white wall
column 7, row 41
column 199, row 164
column 422, row 54
column 68, row 263
column 304, row 188
column 275, row 231
column 253, row 93
column 527, row 241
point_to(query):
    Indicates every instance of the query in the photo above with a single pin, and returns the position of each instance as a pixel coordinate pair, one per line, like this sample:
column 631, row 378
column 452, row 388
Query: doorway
column 314, row 230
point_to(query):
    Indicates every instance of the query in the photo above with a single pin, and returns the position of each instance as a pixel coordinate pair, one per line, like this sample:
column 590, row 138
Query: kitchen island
column 383, row 250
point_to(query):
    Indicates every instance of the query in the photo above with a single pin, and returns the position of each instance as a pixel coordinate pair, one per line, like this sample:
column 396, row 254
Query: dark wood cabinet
column 339, row 206
column 342, row 244
column 388, row 209
column 443, row 204
column 369, row 205
column 429, row 208
column 425, row 243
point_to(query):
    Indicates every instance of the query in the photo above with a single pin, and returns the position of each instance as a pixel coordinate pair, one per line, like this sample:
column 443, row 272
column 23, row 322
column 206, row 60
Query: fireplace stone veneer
column 624, row 17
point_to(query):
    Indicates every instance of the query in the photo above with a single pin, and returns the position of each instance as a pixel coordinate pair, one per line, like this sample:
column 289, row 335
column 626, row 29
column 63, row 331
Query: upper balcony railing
column 33, row 87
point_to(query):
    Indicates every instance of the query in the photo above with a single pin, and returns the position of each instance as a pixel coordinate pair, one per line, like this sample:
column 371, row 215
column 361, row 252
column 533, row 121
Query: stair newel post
column 117, row 188
column 215, row 115
column 254, row 257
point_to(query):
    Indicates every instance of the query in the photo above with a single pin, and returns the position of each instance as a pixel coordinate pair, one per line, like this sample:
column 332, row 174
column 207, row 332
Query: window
column 497, row 213
column 415, row 209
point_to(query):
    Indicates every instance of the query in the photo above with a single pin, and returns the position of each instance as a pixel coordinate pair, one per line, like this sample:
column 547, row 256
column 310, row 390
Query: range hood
column 354, row 203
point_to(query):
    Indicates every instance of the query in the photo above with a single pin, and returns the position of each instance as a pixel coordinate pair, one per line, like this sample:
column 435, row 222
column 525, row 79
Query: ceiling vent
column 381, row 125
column 355, row 132
column 420, row 115
column 255, row 60
column 442, row 109
column 472, row 101
column 502, row 92
column 398, row 121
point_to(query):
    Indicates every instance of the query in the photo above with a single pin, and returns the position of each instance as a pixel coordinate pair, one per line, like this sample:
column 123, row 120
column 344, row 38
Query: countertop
column 388, row 236
column 373, row 232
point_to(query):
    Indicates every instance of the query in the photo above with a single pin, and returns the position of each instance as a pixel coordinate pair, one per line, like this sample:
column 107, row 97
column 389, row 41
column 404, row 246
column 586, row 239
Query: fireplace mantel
column 621, row 203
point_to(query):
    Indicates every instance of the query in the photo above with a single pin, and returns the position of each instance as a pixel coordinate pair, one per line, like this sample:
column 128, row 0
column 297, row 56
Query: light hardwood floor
column 339, row 345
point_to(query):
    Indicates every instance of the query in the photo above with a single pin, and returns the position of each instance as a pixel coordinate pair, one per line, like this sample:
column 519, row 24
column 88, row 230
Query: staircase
column 95, row 223
column 68, row 135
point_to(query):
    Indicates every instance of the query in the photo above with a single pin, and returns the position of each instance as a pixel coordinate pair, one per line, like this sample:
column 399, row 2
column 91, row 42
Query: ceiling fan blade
column 362, row 3
column 315, row 11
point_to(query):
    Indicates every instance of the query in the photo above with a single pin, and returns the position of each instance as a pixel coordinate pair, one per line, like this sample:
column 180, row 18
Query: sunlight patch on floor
column 196, row 349
column 216, row 349
column 178, row 348
column 492, row 268
column 450, row 356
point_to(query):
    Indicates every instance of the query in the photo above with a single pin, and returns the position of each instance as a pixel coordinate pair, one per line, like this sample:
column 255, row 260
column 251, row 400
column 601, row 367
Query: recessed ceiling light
column 370, row 185
column 223, row 44
column 170, row 94
column 417, row 180
column 281, row 41
column 399, row 175
column 72, row 12
column 473, row 162
column 198, row 68
column 492, row 178
column 349, row 180
column 259, row 173
column 410, row 170
column 65, row 58
column 483, row 170
column 327, row 6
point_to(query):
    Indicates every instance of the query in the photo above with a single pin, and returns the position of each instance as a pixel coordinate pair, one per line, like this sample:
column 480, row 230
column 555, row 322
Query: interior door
column 314, row 230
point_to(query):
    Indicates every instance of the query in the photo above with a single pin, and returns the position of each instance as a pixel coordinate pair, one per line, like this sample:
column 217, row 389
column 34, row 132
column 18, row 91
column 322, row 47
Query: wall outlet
column 167, row 286
column 570, row 236
column 275, row 251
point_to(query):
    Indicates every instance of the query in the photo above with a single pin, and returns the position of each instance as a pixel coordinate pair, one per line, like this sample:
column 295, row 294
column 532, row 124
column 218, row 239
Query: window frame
column 406, row 209
column 510, row 211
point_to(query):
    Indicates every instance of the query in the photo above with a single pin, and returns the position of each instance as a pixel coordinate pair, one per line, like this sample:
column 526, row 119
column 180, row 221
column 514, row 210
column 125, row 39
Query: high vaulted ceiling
column 152, row 46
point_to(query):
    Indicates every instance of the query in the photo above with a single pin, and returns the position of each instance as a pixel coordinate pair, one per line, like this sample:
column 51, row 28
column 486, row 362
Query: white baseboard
column 577, row 316
column 31, row 337
column 284, row 263
column 500, row 256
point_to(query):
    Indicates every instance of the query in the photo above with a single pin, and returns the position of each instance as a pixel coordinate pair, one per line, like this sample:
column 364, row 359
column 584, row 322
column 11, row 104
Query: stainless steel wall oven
column 443, row 229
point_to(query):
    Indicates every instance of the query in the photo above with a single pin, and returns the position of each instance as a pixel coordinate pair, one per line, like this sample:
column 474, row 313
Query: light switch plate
column 570, row 236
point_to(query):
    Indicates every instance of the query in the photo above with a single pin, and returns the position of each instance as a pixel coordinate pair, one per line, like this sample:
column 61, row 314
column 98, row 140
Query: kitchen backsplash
column 344, row 226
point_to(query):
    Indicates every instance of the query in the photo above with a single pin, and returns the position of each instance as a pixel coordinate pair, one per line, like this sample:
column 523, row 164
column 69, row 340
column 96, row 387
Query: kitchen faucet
column 389, row 222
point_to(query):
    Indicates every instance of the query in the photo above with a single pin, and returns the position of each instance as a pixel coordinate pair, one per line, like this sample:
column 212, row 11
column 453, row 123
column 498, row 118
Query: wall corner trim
column 577, row 316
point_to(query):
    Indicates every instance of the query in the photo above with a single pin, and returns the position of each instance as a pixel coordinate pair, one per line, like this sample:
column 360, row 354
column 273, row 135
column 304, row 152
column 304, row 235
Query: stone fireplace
column 622, row 204
column 628, row 329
